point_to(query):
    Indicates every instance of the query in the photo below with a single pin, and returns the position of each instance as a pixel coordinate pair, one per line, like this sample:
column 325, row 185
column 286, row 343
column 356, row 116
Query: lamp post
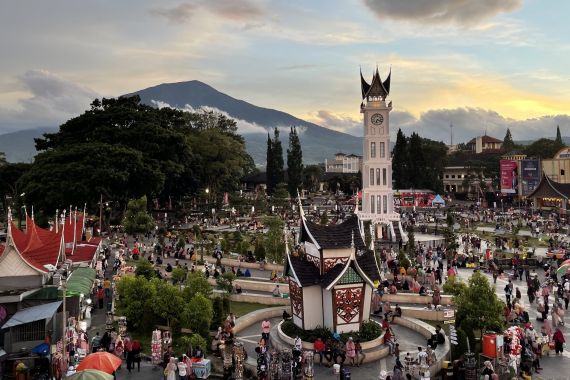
column 63, row 285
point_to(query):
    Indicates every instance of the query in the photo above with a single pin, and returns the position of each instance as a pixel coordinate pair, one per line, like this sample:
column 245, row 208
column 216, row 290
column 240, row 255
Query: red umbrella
column 103, row 361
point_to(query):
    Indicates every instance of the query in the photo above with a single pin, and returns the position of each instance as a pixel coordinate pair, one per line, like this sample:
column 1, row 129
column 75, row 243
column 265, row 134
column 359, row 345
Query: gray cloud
column 461, row 12
column 53, row 100
column 176, row 15
column 471, row 122
column 243, row 10
column 342, row 123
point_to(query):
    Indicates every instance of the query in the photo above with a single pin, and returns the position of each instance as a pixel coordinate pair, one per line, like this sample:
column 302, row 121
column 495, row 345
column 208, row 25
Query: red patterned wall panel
column 348, row 302
column 296, row 295
column 332, row 261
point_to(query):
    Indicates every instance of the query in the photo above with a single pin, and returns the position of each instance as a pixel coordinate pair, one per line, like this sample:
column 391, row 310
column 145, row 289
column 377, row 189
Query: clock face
column 377, row 119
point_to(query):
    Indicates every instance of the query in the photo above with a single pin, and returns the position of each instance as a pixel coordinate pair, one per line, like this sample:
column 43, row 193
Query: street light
column 63, row 287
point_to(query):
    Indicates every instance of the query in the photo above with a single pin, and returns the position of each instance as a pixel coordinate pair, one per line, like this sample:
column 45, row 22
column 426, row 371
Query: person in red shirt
column 100, row 296
column 319, row 347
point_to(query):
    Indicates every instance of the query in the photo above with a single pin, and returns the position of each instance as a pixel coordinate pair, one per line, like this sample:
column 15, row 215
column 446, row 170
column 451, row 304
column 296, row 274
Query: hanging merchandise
column 156, row 347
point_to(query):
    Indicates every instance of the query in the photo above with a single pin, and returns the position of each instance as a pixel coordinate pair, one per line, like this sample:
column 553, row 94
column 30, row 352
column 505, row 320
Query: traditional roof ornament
column 376, row 88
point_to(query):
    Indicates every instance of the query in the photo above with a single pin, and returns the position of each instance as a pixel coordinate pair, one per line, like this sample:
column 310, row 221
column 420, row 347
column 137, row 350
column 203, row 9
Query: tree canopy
column 124, row 149
column 478, row 307
column 508, row 143
column 294, row 163
column 543, row 148
column 424, row 168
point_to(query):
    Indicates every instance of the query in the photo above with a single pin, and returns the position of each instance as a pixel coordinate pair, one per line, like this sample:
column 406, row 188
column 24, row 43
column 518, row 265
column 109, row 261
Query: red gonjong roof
column 37, row 246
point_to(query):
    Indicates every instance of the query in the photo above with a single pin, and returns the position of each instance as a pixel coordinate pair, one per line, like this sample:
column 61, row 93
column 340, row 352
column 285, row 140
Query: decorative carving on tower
column 377, row 194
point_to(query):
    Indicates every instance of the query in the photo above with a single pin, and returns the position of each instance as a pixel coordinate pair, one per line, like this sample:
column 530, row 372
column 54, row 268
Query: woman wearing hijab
column 488, row 370
column 558, row 341
column 170, row 370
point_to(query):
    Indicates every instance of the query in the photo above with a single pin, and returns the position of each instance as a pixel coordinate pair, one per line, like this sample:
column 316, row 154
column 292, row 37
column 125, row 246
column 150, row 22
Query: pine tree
column 270, row 167
column 399, row 161
column 278, row 163
column 294, row 163
column 558, row 135
column 416, row 163
column 508, row 143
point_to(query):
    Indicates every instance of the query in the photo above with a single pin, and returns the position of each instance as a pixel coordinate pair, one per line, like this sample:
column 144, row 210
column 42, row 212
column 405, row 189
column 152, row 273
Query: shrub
column 369, row 330
column 225, row 281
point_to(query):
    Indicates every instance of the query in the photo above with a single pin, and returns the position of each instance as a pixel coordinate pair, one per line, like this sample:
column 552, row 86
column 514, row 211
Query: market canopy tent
column 32, row 314
column 438, row 200
column 80, row 281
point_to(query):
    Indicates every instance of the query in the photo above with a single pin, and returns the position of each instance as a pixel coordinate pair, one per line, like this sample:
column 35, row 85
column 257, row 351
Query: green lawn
column 242, row 308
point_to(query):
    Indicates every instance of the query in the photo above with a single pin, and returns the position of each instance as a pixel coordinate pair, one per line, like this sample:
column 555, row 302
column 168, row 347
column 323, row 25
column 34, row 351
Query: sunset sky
column 479, row 64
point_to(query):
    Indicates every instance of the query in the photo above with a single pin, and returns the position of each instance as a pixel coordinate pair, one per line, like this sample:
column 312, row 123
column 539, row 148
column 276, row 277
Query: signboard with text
column 509, row 176
column 530, row 175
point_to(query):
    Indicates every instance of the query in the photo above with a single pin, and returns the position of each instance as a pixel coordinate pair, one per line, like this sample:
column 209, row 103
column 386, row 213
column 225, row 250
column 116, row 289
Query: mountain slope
column 318, row 143
column 19, row 146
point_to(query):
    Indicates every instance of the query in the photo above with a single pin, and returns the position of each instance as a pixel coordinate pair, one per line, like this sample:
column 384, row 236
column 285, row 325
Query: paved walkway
column 555, row 367
column 408, row 340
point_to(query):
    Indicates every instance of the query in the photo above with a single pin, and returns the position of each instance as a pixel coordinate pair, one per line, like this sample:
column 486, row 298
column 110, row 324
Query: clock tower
column 377, row 194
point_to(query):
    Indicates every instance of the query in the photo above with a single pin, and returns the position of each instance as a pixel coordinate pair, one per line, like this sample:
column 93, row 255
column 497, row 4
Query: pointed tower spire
column 364, row 86
column 56, row 221
column 32, row 212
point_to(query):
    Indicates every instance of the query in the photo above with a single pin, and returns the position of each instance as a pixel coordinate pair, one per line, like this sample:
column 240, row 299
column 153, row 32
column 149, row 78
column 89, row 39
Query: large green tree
column 78, row 173
column 9, row 190
column 294, row 163
column 478, row 307
column 558, row 139
column 435, row 158
column 274, row 241
column 508, row 143
column 277, row 149
column 543, row 148
column 269, row 167
column 311, row 177
column 137, row 219
column 400, row 162
column 124, row 149
column 219, row 160
column 416, row 162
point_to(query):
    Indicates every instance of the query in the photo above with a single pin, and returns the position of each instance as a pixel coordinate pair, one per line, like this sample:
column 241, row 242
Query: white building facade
column 377, row 194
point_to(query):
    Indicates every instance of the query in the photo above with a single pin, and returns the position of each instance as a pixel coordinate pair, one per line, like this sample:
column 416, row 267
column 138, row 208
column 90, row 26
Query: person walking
column 558, row 341
column 170, row 370
column 265, row 329
column 509, row 291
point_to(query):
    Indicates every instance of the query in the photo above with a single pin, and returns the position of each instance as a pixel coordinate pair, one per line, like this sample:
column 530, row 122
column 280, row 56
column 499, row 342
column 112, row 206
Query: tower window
column 382, row 150
column 385, row 204
column 384, row 174
column 378, row 177
column 372, row 150
column 379, row 205
column 562, row 172
column 372, row 203
column 371, row 177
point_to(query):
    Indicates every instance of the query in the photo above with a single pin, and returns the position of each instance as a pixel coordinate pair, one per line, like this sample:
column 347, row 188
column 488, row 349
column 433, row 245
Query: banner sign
column 530, row 175
column 509, row 176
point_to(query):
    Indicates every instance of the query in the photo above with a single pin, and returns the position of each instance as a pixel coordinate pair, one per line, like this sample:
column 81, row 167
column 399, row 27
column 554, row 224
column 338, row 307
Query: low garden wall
column 425, row 329
column 260, row 286
column 414, row 298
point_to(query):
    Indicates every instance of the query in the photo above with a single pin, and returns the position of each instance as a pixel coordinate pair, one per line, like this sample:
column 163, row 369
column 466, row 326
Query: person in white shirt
column 566, row 295
column 421, row 357
column 182, row 369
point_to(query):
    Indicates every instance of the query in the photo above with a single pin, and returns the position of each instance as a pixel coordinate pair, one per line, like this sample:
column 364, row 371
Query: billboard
column 509, row 176
column 530, row 175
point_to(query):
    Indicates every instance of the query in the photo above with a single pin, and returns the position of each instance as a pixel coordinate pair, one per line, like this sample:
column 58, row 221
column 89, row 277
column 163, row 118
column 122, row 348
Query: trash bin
column 345, row 374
